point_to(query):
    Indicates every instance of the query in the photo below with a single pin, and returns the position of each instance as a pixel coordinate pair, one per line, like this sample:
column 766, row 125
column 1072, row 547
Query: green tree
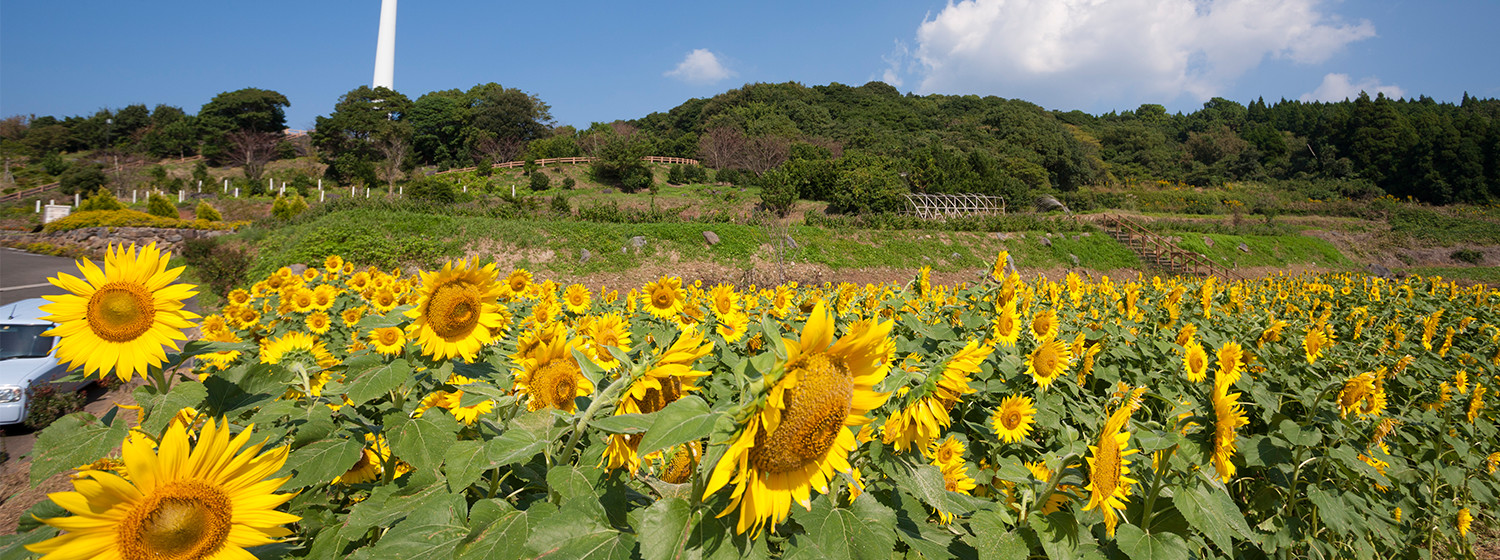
column 206, row 211
column 81, row 178
column 255, row 109
column 365, row 120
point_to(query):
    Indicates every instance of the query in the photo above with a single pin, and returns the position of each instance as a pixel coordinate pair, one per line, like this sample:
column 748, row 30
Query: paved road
column 24, row 275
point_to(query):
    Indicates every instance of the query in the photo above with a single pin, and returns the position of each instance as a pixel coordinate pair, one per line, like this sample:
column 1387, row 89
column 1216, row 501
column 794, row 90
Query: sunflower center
column 1011, row 418
column 657, row 399
column 815, row 412
column 662, row 299
column 1106, row 475
column 121, row 312
column 184, row 520
column 454, row 310
column 556, row 384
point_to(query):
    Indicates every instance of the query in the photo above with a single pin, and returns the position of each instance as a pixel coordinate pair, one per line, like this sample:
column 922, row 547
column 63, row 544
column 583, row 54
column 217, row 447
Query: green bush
column 540, row 182
column 1470, row 256
column 131, row 218
column 287, row 207
column 206, row 211
column 158, row 205
column 676, row 175
column 561, row 205
column 81, row 179
column 102, row 199
column 219, row 265
column 432, row 189
column 54, row 164
column 778, row 191
column 45, row 404
column 637, row 180
column 484, row 168
column 569, row 183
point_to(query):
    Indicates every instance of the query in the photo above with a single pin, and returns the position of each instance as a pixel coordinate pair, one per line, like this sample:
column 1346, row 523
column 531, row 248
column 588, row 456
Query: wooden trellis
column 942, row 206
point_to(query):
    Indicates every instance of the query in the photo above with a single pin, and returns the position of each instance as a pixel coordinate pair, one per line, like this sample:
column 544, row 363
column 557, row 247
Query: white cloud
column 1337, row 87
column 1070, row 53
column 700, row 67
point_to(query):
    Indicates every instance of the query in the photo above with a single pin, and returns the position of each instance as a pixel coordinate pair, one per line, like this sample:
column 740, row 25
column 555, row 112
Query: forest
column 858, row 148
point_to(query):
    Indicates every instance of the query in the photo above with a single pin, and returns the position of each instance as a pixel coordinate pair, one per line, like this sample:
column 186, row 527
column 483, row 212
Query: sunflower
column 1195, row 362
column 1012, row 422
column 1048, row 361
column 668, row 379
column 317, row 322
column 733, row 326
column 550, row 377
column 1314, row 342
column 456, row 313
column 664, row 297
column 949, row 458
column 1186, row 334
column 119, row 319
column 388, row 341
column 577, row 299
column 1002, row 261
column 1044, row 325
column 1109, row 470
column 1231, row 363
column 724, row 300
column 606, row 330
column 211, row 499
column 920, row 421
column 1464, row 519
column 1007, row 327
column 1356, row 389
column 517, row 282
column 798, row 436
column 371, row 464
column 1476, row 403
column 1228, row 417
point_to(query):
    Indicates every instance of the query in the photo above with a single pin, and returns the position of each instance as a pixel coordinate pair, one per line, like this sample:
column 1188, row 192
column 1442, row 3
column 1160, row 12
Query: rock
column 711, row 237
column 956, row 256
column 1075, row 259
column 624, row 249
column 1002, row 236
column 298, row 268
column 1086, row 234
column 1375, row 269
column 1244, row 248
column 926, row 258
column 638, row 241
column 584, row 256
column 1047, row 242
column 174, row 238
column 1209, row 241
column 789, row 242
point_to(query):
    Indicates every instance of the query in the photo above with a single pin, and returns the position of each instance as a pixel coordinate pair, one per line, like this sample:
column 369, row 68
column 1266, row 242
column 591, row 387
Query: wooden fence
column 581, row 159
column 38, row 190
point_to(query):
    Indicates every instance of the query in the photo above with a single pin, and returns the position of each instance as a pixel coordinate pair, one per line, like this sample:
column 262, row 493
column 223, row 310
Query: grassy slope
column 392, row 239
column 1271, row 250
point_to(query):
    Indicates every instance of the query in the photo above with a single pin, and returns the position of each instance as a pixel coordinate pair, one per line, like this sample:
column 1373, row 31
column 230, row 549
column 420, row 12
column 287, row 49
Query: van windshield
column 24, row 341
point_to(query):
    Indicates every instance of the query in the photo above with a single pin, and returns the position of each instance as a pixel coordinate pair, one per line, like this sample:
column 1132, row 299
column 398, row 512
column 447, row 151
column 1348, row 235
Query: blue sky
column 601, row 61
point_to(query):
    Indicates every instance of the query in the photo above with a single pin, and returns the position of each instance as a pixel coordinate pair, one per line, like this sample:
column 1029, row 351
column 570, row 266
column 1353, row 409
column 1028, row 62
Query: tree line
column 859, row 148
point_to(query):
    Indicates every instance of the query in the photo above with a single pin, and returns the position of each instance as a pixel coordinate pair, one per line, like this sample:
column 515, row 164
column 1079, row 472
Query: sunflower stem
column 609, row 395
column 1056, row 477
column 1161, row 471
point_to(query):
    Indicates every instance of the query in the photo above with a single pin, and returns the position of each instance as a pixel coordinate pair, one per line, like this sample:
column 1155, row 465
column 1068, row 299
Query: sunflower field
column 345, row 412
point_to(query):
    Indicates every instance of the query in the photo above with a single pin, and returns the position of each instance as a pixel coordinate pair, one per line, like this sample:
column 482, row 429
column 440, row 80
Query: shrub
column 636, row 180
column 484, row 168
column 730, row 176
column 131, row 218
column 561, row 205
column 201, row 176
column 158, row 205
column 54, row 164
column 102, row 199
column 219, row 265
column 432, row 189
column 675, row 175
column 206, row 211
column 540, row 182
column 287, row 207
column 45, row 404
column 778, row 192
column 81, row 179
column 569, row 183
column 697, row 174
column 1470, row 256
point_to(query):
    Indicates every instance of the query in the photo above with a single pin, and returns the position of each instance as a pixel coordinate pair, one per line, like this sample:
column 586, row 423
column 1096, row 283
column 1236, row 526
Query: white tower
column 385, row 47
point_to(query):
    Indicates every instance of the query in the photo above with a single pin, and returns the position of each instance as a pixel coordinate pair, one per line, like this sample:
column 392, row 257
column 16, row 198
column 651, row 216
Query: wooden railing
column 580, row 159
column 1161, row 251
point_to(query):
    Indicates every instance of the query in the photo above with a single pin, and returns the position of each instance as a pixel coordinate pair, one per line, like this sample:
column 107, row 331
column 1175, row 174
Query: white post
column 39, row 206
column 51, row 202
column 352, row 192
column 200, row 185
column 226, row 185
column 367, row 192
column 320, row 184
column 132, row 196
column 320, row 195
column 401, row 190
column 75, row 199
column 512, row 191
column 466, row 188
column 236, row 192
